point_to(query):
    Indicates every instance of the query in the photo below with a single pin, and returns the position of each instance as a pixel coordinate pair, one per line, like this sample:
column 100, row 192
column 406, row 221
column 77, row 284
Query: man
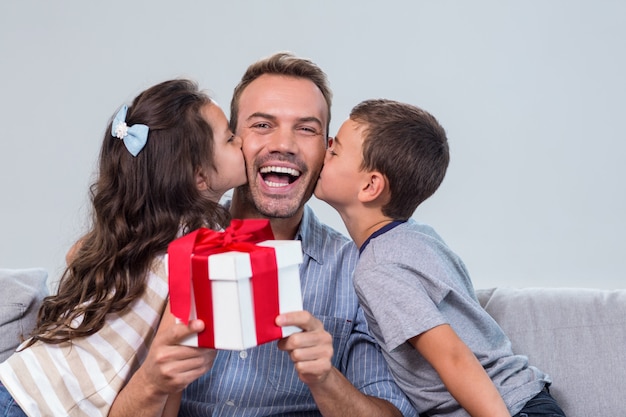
column 281, row 110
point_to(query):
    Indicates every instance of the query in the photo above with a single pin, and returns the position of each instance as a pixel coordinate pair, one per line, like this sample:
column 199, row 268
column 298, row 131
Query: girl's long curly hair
column 140, row 204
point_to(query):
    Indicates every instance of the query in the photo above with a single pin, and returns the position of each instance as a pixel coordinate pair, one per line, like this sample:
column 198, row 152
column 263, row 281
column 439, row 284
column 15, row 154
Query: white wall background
column 532, row 94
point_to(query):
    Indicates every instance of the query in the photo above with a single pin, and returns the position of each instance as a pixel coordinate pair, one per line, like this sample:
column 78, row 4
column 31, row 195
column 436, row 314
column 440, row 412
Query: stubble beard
column 277, row 206
column 281, row 206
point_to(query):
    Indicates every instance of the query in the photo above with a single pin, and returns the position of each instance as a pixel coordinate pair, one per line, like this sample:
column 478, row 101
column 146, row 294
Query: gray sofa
column 578, row 336
column 22, row 292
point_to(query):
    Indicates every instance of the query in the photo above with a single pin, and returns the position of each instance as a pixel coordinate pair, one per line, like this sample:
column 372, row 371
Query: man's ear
column 375, row 186
column 201, row 180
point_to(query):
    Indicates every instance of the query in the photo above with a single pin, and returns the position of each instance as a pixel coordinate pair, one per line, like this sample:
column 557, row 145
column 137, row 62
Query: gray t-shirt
column 408, row 282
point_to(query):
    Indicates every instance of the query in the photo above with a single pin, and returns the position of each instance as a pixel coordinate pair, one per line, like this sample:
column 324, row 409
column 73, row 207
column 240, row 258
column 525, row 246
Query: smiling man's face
column 282, row 121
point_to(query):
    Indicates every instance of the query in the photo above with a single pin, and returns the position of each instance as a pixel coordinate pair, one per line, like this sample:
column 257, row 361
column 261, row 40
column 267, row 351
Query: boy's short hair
column 408, row 146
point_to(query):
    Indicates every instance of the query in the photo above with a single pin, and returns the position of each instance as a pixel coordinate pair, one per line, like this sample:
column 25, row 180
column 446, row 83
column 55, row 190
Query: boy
column 448, row 355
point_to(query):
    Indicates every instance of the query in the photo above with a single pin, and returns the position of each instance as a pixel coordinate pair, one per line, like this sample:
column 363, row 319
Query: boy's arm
column 460, row 371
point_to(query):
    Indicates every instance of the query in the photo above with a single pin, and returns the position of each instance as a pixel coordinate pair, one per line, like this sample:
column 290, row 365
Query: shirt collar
column 379, row 232
column 309, row 232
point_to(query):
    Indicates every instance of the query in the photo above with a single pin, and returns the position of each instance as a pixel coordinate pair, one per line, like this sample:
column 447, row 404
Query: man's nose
column 283, row 140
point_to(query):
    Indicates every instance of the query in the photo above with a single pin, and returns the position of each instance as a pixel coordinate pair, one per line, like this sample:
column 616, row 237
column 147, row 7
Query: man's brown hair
column 287, row 64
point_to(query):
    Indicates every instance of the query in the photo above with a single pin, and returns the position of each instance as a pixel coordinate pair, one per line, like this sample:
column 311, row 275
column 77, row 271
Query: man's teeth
column 276, row 184
column 280, row 170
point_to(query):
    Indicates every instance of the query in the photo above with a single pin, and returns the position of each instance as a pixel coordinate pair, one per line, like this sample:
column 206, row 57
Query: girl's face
column 229, row 169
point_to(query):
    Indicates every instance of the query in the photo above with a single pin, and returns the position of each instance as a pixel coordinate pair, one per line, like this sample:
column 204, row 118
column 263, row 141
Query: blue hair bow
column 134, row 137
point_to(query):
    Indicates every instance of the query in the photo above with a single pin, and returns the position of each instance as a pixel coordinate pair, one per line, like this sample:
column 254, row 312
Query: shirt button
column 243, row 354
column 230, row 402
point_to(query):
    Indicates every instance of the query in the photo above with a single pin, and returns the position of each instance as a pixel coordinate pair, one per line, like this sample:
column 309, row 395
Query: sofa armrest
column 577, row 336
column 22, row 293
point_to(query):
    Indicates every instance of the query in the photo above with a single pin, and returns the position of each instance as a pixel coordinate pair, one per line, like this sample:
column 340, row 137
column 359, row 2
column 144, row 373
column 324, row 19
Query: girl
column 164, row 164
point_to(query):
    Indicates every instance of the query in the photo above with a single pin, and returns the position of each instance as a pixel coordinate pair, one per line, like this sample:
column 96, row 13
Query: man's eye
column 261, row 125
column 308, row 130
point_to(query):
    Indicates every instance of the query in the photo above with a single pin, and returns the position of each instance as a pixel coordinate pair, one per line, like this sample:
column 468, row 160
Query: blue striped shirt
column 262, row 381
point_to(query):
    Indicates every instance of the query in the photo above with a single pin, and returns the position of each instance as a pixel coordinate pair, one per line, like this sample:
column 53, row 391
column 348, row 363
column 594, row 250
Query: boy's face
column 342, row 176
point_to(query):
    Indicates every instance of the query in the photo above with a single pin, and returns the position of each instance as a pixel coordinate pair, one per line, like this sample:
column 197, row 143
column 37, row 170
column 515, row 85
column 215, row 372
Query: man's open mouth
column 275, row 176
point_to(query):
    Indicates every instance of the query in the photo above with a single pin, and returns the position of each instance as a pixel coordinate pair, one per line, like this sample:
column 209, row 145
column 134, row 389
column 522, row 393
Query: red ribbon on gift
column 188, row 265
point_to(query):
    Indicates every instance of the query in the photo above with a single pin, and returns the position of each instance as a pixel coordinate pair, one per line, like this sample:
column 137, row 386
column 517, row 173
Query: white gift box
column 234, row 325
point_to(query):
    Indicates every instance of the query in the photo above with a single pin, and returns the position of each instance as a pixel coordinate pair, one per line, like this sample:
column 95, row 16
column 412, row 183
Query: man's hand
column 310, row 350
column 170, row 366
column 167, row 370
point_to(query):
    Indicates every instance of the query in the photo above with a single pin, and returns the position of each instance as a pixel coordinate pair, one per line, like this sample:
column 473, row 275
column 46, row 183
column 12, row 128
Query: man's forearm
column 337, row 397
column 137, row 400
